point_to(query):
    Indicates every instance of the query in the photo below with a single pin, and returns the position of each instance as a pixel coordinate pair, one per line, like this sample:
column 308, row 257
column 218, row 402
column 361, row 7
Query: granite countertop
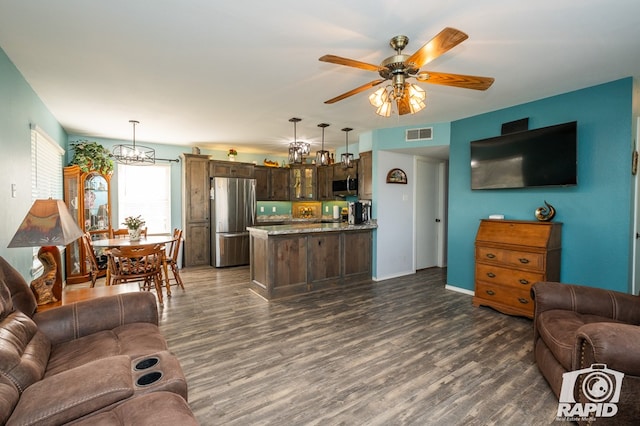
column 309, row 227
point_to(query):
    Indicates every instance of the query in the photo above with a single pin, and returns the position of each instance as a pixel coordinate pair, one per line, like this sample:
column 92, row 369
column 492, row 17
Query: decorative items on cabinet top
column 91, row 156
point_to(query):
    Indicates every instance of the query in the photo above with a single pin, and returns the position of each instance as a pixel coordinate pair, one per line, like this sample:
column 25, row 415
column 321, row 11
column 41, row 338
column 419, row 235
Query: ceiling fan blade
column 354, row 91
column 457, row 80
column 441, row 43
column 349, row 62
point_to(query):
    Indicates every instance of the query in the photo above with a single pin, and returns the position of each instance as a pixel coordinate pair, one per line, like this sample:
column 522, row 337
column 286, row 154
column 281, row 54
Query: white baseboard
column 460, row 290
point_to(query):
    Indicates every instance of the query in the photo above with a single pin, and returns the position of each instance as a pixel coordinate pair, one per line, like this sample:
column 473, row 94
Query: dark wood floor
column 398, row 352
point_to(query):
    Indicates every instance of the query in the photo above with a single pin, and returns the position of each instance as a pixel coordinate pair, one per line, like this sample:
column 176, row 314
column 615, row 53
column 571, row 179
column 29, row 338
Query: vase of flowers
column 134, row 226
column 231, row 155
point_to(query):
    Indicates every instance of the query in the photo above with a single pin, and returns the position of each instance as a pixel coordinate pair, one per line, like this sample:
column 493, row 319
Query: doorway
column 430, row 213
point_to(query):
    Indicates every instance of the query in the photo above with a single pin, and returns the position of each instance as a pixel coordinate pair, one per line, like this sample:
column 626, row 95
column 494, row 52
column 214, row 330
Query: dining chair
column 95, row 268
column 142, row 264
column 124, row 233
column 173, row 250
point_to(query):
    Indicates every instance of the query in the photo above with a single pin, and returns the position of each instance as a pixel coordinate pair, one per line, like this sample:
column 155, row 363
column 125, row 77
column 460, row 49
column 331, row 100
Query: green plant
column 90, row 156
column 134, row 222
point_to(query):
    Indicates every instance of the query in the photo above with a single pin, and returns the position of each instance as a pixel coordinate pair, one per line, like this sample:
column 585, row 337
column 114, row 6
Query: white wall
column 394, row 236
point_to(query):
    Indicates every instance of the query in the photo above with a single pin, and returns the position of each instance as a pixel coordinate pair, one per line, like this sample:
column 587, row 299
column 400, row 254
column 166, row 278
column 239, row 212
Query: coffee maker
column 359, row 212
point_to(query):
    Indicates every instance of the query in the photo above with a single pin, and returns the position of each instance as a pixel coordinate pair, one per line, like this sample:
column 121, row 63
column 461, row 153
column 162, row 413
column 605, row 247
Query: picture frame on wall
column 397, row 176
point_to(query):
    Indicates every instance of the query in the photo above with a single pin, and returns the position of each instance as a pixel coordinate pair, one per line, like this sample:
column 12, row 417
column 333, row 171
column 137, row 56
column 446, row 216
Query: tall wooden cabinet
column 510, row 257
column 88, row 198
column 365, row 178
column 197, row 238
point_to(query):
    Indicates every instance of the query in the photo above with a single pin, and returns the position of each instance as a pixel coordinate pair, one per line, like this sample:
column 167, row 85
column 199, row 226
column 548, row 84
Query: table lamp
column 48, row 224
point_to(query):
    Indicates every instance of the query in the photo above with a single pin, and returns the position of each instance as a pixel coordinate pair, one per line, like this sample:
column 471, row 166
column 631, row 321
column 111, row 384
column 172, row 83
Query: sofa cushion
column 157, row 409
column 22, row 295
column 75, row 393
column 558, row 329
column 24, row 350
column 134, row 340
column 9, row 396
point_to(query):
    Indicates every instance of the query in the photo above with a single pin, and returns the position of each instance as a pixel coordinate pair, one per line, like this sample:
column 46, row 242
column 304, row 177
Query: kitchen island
column 288, row 260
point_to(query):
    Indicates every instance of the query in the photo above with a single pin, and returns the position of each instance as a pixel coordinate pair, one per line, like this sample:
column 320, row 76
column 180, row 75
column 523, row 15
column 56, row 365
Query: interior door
column 426, row 216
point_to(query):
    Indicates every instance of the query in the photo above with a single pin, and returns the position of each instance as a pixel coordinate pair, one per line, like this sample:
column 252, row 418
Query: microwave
column 348, row 186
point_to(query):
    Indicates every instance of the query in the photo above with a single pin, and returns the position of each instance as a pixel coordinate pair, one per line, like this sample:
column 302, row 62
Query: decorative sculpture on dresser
column 545, row 214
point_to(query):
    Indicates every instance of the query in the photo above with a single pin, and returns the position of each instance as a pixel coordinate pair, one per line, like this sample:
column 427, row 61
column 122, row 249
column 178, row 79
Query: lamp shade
column 48, row 223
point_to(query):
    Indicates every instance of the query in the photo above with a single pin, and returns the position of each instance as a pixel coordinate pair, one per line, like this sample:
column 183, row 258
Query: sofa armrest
column 614, row 344
column 80, row 319
column 75, row 393
column 586, row 300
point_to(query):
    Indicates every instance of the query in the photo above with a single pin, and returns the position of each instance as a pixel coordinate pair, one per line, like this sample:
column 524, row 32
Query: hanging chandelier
column 297, row 149
column 322, row 156
column 408, row 97
column 347, row 157
column 134, row 155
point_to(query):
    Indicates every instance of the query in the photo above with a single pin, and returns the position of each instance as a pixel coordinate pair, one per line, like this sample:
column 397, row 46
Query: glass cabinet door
column 96, row 204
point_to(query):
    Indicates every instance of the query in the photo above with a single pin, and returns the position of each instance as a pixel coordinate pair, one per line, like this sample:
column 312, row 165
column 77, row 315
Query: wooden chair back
column 94, row 268
column 137, row 264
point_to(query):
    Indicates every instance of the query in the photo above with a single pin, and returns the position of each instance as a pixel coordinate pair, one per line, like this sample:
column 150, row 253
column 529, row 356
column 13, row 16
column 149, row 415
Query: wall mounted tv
column 531, row 158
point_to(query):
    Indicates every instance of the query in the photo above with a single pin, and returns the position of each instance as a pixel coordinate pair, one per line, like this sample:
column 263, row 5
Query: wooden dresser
column 511, row 256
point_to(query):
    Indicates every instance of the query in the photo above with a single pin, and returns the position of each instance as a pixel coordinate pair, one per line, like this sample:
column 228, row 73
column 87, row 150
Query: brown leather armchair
column 576, row 327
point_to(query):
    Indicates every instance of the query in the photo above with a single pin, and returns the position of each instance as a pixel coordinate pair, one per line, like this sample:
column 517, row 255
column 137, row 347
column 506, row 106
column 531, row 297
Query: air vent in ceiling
column 426, row 133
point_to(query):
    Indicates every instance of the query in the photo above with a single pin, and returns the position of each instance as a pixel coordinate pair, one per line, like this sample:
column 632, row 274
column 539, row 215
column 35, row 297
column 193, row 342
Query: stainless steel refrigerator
column 233, row 208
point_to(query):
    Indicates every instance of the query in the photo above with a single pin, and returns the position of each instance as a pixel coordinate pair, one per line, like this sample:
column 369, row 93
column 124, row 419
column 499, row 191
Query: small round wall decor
column 396, row 176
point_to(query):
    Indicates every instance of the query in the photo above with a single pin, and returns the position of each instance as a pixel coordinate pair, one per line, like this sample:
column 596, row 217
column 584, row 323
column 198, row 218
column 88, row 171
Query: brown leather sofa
column 577, row 327
column 103, row 361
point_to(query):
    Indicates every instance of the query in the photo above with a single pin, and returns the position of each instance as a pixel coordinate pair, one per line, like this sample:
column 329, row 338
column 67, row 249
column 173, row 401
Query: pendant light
column 297, row 150
column 322, row 156
column 347, row 157
column 134, row 155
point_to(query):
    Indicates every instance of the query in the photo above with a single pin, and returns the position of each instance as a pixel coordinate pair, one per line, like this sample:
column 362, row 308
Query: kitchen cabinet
column 340, row 173
column 510, row 257
column 325, row 183
column 272, row 183
column 88, row 198
column 197, row 238
column 303, row 182
column 365, row 178
column 231, row 169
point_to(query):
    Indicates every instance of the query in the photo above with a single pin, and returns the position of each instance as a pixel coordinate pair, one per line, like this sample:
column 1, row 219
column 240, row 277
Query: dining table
column 151, row 240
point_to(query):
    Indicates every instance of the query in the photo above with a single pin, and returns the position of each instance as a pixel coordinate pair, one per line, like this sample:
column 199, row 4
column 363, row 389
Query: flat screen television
column 531, row 158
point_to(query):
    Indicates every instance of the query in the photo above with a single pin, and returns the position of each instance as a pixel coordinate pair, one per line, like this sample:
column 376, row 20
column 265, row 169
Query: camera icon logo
column 598, row 385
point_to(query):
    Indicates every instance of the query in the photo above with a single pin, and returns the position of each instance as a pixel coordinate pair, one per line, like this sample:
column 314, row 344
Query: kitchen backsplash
column 294, row 209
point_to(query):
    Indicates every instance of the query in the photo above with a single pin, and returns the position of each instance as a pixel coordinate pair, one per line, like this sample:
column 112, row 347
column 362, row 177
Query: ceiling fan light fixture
column 134, row 155
column 379, row 97
column 417, row 95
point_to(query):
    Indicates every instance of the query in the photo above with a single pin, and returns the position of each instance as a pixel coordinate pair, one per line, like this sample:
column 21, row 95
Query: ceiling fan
column 400, row 67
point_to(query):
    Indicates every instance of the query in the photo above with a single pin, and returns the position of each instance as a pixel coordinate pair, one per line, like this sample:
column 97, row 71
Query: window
column 46, row 166
column 46, row 175
column 145, row 191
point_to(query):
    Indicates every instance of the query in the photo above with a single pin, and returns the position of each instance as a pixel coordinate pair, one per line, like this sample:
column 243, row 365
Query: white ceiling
column 231, row 74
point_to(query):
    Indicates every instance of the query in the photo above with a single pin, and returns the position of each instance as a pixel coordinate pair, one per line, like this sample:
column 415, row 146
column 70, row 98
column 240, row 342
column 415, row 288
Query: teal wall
column 19, row 108
column 596, row 214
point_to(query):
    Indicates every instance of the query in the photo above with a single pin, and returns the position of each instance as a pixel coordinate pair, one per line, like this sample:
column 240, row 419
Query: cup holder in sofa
column 146, row 363
column 149, row 378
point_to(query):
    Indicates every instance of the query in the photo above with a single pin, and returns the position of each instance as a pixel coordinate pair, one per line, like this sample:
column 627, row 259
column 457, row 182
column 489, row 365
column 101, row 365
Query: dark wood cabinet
column 231, row 169
column 324, row 176
column 510, row 257
column 197, row 238
column 340, row 173
column 272, row 183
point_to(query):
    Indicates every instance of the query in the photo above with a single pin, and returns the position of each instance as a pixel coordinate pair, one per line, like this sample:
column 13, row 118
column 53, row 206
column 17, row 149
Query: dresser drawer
column 520, row 259
column 501, row 295
column 512, row 278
